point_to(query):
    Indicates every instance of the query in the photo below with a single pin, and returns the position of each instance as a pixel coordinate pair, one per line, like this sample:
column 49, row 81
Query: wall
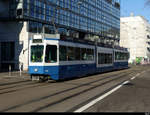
column 133, row 36
column 23, row 56
column 16, row 32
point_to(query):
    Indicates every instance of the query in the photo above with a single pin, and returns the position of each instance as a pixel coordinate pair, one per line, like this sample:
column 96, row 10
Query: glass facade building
column 83, row 19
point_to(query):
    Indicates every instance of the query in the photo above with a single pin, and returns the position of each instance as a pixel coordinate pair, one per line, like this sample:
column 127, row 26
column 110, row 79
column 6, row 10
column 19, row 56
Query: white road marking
column 137, row 74
column 133, row 78
column 100, row 98
column 124, row 83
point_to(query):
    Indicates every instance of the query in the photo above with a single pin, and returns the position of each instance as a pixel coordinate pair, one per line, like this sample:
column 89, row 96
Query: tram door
column 96, row 56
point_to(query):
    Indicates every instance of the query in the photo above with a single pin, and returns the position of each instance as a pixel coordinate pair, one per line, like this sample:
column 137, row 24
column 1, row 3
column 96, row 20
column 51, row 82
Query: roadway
column 118, row 91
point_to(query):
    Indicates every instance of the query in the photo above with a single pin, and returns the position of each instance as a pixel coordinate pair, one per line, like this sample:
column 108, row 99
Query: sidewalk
column 25, row 74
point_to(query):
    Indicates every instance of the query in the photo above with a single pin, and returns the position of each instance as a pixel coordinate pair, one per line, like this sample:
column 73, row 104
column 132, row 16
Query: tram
column 52, row 58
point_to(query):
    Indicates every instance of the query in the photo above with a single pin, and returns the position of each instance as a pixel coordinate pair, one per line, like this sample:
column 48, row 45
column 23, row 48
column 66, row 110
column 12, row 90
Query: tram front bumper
column 52, row 71
column 36, row 70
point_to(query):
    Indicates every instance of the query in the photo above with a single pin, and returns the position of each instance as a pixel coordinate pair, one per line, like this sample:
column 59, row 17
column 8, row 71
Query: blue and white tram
column 53, row 58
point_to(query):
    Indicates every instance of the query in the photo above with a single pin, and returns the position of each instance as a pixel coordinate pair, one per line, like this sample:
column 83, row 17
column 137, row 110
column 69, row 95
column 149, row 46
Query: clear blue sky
column 138, row 7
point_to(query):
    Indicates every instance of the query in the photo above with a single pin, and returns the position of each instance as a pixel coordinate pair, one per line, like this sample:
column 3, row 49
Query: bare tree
column 147, row 2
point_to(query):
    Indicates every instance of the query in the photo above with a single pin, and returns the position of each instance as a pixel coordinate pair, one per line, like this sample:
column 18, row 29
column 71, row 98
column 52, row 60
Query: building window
column 35, row 27
column 100, row 17
column 7, row 51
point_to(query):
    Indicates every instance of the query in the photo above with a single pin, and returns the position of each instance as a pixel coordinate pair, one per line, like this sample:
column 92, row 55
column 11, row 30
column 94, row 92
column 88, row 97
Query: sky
column 137, row 7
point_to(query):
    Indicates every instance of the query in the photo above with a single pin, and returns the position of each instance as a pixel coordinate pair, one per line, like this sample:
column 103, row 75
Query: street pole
column 79, row 4
column 79, row 14
column 54, row 23
column 20, row 68
column 9, row 70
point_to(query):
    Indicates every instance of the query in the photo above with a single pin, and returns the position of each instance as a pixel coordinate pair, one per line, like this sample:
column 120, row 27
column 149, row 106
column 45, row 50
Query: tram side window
column 104, row 58
column 101, row 58
column 77, row 53
column 51, row 54
column 121, row 56
column 118, row 55
column 90, row 54
column 126, row 56
column 110, row 57
column 63, row 53
column 70, row 54
column 83, row 54
column 115, row 55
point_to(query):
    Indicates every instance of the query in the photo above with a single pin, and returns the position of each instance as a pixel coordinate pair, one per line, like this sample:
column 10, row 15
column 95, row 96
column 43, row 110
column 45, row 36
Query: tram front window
column 51, row 54
column 37, row 53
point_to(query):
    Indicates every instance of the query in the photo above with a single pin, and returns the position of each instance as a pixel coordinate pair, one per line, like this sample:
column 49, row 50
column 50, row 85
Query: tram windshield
column 37, row 53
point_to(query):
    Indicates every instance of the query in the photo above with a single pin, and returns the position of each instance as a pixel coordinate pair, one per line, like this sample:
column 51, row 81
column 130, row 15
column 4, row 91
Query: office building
column 135, row 35
column 83, row 20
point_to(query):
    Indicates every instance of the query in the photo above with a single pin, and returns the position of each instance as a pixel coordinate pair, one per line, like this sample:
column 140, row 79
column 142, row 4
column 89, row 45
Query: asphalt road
column 132, row 97
column 20, row 94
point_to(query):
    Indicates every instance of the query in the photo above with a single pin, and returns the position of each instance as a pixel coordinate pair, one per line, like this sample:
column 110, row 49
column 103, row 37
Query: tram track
column 11, row 83
column 77, row 94
column 10, row 87
column 70, row 89
column 29, row 82
column 21, row 83
column 107, row 76
column 95, row 97
column 33, row 85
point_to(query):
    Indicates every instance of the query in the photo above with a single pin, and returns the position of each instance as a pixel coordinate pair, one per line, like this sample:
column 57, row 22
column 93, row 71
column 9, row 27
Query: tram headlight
column 35, row 69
